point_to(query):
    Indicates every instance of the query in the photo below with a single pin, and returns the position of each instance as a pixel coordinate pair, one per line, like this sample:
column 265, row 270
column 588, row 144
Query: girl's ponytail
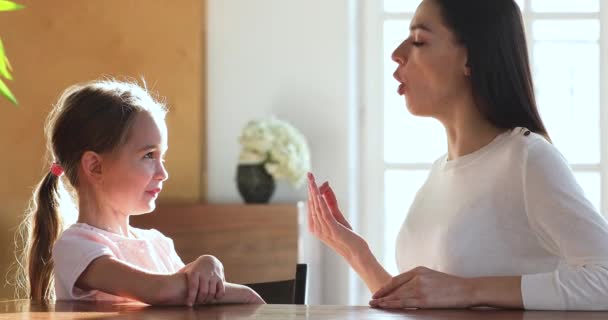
column 40, row 230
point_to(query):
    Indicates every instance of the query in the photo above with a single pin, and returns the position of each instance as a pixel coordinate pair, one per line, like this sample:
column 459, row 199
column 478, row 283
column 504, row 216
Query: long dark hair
column 94, row 116
column 492, row 32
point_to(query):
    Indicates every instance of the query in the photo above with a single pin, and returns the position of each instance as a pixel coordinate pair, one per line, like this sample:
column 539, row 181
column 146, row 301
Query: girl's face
column 431, row 67
column 133, row 176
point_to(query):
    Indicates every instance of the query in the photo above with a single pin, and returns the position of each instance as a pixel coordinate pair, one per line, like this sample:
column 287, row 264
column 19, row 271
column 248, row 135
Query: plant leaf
column 5, row 91
column 4, row 65
column 6, row 5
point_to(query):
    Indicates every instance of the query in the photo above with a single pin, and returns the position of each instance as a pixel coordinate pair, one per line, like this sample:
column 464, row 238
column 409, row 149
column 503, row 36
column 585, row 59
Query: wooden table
column 23, row 309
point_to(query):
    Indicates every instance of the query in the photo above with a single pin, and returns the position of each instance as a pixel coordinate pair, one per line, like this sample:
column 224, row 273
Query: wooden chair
column 284, row 292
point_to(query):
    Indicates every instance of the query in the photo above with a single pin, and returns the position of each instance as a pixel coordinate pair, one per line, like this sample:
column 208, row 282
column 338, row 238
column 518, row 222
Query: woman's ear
column 90, row 164
column 467, row 69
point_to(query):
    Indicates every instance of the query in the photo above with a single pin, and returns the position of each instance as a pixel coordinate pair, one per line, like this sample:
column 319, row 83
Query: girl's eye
column 417, row 43
column 149, row 155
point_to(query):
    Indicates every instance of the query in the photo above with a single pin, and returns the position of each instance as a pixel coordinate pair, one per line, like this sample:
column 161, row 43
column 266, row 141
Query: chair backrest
column 284, row 292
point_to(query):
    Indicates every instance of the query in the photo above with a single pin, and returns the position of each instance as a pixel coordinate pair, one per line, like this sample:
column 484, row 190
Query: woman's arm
column 568, row 226
column 502, row 292
column 326, row 222
column 425, row 288
column 368, row 268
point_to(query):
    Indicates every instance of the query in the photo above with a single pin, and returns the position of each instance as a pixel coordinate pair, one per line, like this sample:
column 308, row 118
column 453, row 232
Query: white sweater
column 511, row 208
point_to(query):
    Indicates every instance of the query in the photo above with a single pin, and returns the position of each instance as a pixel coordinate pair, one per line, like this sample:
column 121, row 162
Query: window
column 565, row 52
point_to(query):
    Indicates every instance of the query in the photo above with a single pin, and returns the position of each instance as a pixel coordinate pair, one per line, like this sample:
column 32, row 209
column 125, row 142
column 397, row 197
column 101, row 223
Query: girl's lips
column 153, row 192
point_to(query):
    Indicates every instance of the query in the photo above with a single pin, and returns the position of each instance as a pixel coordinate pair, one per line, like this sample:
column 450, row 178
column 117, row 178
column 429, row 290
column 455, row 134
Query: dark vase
column 255, row 184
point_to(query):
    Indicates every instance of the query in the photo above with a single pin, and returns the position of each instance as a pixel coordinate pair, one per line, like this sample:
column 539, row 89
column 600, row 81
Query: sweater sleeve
column 567, row 225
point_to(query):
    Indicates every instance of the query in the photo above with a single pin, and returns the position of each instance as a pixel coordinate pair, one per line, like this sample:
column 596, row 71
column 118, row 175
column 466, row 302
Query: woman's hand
column 205, row 277
column 326, row 221
column 425, row 288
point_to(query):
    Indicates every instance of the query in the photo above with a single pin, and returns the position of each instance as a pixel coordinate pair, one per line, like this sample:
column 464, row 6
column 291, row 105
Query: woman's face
column 431, row 69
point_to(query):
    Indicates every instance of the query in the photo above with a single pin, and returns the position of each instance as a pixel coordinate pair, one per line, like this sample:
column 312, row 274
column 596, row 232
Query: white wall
column 293, row 59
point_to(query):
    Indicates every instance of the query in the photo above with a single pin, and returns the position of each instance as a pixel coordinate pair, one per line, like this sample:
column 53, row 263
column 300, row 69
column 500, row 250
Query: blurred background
column 323, row 66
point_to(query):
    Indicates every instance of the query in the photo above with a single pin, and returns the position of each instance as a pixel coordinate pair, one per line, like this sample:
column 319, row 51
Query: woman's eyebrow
column 420, row 26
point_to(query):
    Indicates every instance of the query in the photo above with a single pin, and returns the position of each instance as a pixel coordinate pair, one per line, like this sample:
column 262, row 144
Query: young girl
column 108, row 141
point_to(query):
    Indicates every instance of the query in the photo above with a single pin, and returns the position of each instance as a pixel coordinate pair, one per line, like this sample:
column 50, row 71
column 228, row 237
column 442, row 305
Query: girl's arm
column 115, row 277
column 118, row 278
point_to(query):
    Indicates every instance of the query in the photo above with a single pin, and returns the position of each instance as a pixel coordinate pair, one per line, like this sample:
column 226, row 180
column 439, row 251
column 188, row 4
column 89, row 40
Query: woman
column 500, row 220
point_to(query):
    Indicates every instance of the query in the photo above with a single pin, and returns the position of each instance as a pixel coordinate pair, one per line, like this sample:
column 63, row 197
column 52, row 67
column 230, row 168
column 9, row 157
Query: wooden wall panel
column 53, row 44
column 256, row 243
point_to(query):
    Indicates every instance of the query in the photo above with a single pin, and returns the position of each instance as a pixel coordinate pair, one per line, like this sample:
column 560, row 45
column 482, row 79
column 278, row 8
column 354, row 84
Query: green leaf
column 5, row 91
column 6, row 5
column 4, row 63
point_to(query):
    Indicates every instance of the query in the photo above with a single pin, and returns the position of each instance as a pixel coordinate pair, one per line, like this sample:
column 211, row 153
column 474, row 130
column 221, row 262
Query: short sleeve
column 72, row 254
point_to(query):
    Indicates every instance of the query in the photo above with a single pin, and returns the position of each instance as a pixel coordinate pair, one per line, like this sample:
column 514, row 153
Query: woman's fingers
column 403, row 297
column 333, row 206
column 331, row 199
column 376, row 302
column 386, row 289
column 192, row 279
column 332, row 203
column 392, row 304
column 399, row 294
column 323, row 188
column 321, row 227
column 310, row 213
column 326, row 215
column 400, row 303
column 311, row 223
column 312, row 210
column 395, row 283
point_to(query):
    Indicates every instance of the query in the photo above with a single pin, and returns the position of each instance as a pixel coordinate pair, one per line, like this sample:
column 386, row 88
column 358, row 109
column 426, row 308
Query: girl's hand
column 424, row 288
column 326, row 221
column 237, row 293
column 205, row 277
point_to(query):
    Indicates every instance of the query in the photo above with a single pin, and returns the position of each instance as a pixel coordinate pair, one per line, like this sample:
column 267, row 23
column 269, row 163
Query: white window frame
column 372, row 115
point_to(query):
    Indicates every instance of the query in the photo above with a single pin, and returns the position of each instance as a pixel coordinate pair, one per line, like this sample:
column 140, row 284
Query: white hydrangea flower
column 248, row 156
column 279, row 146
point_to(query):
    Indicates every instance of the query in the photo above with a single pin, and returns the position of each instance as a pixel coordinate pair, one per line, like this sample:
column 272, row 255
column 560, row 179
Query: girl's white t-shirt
column 80, row 244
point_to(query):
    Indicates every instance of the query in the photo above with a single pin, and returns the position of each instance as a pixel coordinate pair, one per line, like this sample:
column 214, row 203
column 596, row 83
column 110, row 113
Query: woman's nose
column 399, row 55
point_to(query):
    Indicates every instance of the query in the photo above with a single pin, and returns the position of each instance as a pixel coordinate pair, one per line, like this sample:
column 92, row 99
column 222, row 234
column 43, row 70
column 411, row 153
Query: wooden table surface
column 24, row 309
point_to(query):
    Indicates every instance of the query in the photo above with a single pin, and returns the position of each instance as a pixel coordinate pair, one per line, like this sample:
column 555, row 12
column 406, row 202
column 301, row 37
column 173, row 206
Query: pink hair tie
column 56, row 169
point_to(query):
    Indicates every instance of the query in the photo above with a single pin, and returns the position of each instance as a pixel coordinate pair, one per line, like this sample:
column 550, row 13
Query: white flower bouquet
column 279, row 147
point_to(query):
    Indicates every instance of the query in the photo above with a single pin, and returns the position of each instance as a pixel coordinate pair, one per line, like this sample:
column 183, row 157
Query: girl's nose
column 161, row 173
